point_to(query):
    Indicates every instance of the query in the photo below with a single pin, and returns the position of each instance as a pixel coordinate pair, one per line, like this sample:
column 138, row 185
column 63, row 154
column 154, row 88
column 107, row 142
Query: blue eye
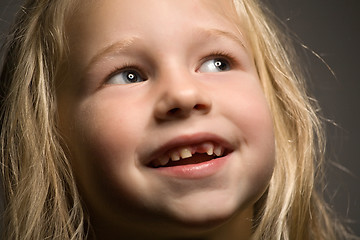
column 126, row 77
column 215, row 65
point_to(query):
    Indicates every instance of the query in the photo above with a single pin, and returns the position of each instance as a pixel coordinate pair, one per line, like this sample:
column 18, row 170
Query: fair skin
column 148, row 82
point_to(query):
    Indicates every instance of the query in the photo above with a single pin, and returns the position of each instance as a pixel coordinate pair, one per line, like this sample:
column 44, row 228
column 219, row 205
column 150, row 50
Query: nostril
column 174, row 111
column 179, row 111
column 200, row 107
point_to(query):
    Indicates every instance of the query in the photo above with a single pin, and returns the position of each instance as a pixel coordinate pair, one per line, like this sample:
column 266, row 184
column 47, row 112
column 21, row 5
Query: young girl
column 157, row 119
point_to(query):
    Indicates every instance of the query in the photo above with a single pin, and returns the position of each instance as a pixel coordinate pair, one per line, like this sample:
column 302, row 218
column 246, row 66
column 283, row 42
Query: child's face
column 152, row 79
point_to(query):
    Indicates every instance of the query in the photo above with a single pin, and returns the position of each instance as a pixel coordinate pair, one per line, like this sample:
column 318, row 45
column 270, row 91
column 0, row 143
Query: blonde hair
column 40, row 194
column 41, row 197
column 292, row 208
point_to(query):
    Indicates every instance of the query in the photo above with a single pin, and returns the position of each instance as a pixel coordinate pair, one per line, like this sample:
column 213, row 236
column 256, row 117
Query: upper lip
column 188, row 140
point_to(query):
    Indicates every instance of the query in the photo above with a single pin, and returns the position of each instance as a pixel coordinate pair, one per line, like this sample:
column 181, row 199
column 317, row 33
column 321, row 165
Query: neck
column 237, row 228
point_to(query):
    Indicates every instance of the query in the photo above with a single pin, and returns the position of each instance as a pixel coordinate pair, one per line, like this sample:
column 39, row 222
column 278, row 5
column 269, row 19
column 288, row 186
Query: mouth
column 190, row 155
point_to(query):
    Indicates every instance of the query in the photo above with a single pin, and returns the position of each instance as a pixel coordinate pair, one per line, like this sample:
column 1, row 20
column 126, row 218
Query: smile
column 191, row 154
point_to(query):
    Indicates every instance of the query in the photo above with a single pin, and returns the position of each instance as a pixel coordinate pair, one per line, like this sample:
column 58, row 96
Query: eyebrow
column 112, row 49
column 124, row 44
column 221, row 33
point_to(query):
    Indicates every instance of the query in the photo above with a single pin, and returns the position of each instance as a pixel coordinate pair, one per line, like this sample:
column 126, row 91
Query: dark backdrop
column 331, row 28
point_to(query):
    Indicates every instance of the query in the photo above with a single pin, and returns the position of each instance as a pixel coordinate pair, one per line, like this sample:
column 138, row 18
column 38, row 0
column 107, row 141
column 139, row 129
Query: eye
column 126, row 77
column 215, row 65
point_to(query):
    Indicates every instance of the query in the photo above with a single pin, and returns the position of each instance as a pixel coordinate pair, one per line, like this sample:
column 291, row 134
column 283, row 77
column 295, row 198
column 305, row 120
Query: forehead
column 96, row 13
column 98, row 24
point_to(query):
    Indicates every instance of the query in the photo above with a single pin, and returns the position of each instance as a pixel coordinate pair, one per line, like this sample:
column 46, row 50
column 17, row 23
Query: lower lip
column 195, row 171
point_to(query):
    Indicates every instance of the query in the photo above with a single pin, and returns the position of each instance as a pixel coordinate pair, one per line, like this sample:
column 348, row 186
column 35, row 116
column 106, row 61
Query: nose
column 180, row 97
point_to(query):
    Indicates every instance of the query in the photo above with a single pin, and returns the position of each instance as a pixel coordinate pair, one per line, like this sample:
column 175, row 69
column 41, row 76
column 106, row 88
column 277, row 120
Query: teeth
column 175, row 156
column 185, row 153
column 210, row 149
column 218, row 150
column 163, row 160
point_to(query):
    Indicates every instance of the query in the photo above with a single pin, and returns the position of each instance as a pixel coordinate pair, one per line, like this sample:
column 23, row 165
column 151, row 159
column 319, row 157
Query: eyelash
column 231, row 59
column 125, row 67
column 216, row 54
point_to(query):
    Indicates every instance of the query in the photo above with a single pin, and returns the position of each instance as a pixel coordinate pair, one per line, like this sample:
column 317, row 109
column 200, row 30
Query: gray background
column 331, row 28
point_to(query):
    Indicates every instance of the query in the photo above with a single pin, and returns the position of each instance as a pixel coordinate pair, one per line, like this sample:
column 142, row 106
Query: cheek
column 103, row 135
column 108, row 134
column 247, row 110
column 244, row 104
column 102, row 141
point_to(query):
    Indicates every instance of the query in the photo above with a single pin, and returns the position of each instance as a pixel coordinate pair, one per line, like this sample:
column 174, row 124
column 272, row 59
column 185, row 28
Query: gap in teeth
column 177, row 154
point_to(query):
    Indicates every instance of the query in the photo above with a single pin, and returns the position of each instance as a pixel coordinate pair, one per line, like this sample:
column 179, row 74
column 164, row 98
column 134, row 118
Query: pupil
column 219, row 64
column 131, row 77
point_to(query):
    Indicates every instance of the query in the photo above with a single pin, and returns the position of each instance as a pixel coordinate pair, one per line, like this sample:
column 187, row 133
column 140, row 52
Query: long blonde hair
column 41, row 197
column 40, row 194
column 293, row 207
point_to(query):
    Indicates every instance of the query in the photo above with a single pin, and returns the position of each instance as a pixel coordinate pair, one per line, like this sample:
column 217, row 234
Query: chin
column 209, row 214
column 205, row 222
